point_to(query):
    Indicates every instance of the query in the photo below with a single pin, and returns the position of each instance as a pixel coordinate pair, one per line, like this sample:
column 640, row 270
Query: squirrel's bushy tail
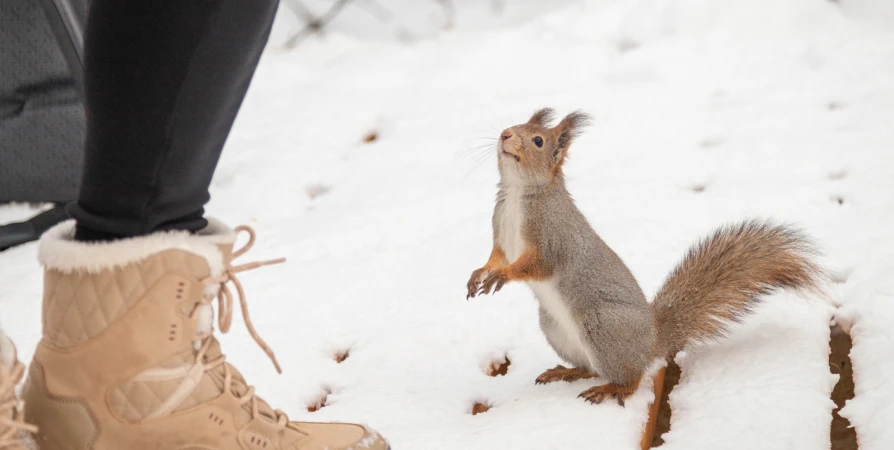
column 722, row 278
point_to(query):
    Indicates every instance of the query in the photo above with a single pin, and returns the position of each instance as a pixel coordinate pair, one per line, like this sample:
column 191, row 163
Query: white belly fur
column 510, row 224
column 570, row 339
column 513, row 245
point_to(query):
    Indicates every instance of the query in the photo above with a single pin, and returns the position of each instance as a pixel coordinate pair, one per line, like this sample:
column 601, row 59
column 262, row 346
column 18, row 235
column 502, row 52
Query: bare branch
column 383, row 15
column 376, row 10
column 316, row 25
column 299, row 10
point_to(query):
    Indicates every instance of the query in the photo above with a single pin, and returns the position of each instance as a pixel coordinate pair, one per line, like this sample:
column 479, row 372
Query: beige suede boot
column 14, row 432
column 128, row 359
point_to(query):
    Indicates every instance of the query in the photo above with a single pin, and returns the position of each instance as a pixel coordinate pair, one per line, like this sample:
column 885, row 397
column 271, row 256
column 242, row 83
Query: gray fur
column 598, row 288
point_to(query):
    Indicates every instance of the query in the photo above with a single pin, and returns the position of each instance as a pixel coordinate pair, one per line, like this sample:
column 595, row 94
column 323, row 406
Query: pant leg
column 163, row 83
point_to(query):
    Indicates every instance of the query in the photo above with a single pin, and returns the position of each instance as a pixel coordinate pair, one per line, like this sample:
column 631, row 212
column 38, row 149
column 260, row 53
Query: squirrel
column 592, row 311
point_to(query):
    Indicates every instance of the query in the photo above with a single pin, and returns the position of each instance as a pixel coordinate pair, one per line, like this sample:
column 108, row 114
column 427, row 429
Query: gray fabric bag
column 41, row 114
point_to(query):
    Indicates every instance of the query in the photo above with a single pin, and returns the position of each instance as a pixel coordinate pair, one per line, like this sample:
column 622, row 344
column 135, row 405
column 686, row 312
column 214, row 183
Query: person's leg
column 128, row 356
column 163, row 83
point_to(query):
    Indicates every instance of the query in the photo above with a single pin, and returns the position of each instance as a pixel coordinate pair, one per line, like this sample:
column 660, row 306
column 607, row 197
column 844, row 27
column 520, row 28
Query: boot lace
column 224, row 299
column 12, row 412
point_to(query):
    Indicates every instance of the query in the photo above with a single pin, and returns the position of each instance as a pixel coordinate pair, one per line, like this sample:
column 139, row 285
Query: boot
column 14, row 432
column 128, row 358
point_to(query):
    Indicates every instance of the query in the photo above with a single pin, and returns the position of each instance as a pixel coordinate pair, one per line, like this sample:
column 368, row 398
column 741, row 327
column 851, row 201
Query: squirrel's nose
column 506, row 135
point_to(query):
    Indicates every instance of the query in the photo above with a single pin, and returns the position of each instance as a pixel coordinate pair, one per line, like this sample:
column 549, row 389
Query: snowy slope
column 706, row 112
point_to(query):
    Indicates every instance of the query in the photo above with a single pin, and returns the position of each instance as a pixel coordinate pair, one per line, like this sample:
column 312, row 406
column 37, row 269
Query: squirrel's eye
column 538, row 141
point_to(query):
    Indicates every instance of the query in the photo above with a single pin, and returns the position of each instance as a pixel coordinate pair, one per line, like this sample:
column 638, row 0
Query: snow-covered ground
column 868, row 313
column 706, row 112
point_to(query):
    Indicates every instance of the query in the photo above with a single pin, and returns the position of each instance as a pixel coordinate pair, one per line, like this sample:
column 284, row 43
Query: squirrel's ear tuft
column 567, row 130
column 542, row 117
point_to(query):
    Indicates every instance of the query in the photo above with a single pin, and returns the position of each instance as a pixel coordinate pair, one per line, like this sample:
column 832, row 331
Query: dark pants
column 163, row 83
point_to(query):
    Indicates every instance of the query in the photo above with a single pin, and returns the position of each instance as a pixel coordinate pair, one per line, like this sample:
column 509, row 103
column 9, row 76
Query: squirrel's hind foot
column 597, row 394
column 562, row 373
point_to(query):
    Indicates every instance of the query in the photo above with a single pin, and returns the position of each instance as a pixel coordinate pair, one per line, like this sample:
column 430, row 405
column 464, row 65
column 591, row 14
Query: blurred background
column 41, row 123
column 408, row 20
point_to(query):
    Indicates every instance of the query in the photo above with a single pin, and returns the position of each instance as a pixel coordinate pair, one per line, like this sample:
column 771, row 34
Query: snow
column 868, row 313
column 706, row 113
column 766, row 387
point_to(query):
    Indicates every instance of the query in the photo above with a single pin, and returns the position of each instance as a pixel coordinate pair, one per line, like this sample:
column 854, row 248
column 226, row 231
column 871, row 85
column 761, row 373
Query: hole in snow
column 838, row 175
column 840, row 276
column 320, row 402
column 710, row 142
column 626, row 44
column 316, row 190
column 480, row 407
column 663, row 421
column 498, row 367
column 339, row 357
column 372, row 136
column 844, row 437
column 834, row 106
column 698, row 188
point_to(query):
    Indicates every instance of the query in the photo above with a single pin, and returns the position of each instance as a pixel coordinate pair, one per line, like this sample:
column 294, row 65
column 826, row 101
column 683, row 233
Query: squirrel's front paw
column 475, row 282
column 495, row 280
